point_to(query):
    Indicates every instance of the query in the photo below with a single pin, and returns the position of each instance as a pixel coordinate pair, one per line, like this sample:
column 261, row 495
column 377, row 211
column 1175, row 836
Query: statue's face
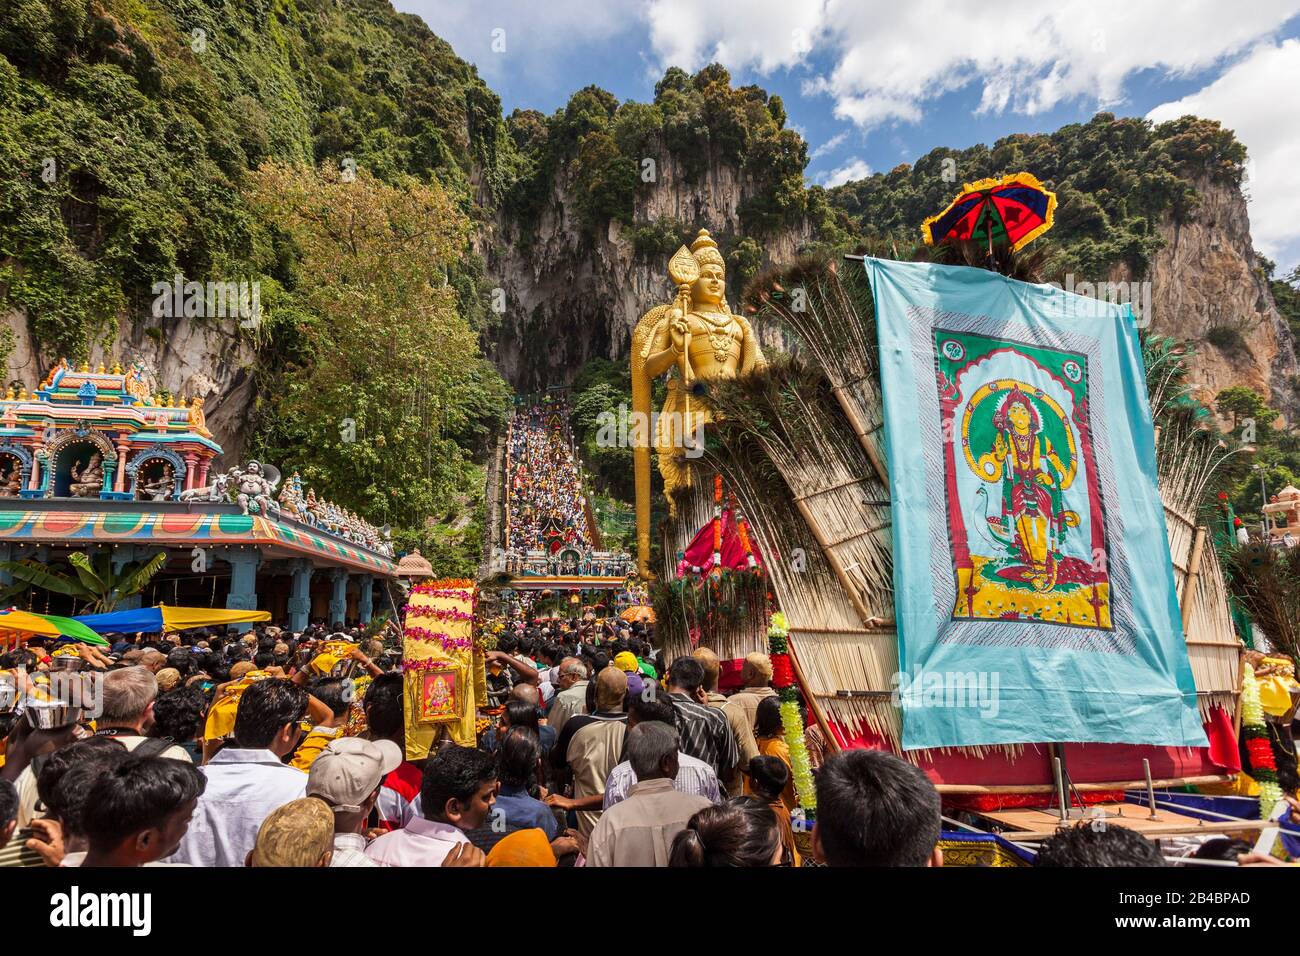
column 1019, row 417
column 710, row 286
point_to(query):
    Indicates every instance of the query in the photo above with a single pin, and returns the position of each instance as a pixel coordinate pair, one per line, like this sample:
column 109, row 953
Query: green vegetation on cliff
column 1114, row 179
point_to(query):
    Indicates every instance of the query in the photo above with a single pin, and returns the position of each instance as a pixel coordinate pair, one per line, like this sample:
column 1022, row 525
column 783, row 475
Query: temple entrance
column 79, row 471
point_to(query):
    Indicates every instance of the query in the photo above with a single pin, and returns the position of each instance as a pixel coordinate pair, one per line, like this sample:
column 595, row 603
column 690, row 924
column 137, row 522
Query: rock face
column 201, row 358
column 570, row 298
column 1206, row 286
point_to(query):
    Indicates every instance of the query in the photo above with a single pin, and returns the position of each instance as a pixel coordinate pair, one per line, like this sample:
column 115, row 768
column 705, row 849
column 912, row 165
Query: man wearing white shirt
column 693, row 776
column 456, row 794
column 247, row 781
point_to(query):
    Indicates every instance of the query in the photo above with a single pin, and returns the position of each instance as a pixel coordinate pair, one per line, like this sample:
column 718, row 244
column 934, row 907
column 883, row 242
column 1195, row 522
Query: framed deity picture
column 438, row 693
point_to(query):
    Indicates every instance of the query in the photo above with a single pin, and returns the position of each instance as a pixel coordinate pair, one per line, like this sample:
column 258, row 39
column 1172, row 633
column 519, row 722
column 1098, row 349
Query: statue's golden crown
column 705, row 249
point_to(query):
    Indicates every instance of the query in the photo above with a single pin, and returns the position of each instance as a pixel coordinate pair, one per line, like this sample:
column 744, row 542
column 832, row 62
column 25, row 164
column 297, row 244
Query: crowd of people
column 545, row 486
column 255, row 750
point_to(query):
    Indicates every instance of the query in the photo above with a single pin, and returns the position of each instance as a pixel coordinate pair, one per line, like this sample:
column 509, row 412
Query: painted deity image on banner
column 1025, row 515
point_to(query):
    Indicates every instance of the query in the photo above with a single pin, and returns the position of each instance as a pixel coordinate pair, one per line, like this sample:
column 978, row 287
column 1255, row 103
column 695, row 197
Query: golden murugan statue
column 696, row 336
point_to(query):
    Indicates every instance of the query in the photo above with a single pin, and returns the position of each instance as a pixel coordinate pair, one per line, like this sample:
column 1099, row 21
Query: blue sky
column 874, row 83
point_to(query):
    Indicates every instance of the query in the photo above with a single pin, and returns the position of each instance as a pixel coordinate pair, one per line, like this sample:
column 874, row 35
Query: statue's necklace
column 720, row 333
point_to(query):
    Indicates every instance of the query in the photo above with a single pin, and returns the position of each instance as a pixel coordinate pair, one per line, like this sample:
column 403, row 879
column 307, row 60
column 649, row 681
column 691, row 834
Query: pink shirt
column 421, row 843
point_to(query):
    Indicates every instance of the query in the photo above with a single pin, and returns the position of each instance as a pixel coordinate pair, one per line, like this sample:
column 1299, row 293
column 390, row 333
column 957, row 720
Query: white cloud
column 829, row 146
column 1257, row 98
column 763, row 35
column 885, row 59
column 853, row 169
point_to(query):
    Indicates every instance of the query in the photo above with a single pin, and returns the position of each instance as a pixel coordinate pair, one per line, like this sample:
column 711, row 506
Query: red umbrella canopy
column 1015, row 209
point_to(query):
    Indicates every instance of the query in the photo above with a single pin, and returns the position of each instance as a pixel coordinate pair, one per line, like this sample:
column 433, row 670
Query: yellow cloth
column 221, row 715
column 312, row 745
column 421, row 733
column 1275, row 693
column 180, row 618
column 1241, row 785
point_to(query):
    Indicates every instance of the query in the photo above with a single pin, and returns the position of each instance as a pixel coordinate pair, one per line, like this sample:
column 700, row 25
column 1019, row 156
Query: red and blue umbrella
column 1015, row 209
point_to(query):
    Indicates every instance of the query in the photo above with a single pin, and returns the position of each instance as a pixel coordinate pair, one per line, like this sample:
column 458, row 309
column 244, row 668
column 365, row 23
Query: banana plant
column 96, row 585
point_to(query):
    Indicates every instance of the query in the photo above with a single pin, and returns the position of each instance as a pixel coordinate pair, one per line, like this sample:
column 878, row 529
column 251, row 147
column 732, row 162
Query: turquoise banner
column 1034, row 591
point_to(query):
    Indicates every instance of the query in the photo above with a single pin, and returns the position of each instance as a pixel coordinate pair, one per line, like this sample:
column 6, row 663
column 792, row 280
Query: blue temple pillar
column 300, row 595
column 365, row 597
column 338, row 596
column 243, row 581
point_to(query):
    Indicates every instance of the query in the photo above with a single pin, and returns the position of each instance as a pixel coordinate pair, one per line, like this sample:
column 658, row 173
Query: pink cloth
column 699, row 553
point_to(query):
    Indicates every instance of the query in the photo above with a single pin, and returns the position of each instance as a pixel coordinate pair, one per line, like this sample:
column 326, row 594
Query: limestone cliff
column 1207, row 287
column 571, row 297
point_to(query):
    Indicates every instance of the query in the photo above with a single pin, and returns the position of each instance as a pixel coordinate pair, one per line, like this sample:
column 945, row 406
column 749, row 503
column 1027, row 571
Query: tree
column 394, row 371
column 96, row 585
column 1245, row 404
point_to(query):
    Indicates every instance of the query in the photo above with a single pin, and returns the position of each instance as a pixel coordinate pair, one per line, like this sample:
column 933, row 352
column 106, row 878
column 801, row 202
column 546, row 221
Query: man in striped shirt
column 693, row 776
column 705, row 733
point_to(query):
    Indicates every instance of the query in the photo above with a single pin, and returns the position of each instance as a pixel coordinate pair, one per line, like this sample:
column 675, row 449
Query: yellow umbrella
column 641, row 612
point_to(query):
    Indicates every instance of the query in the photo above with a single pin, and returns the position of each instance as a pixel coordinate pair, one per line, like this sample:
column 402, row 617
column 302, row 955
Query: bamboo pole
column 1082, row 787
column 861, row 431
column 833, row 560
column 1193, row 572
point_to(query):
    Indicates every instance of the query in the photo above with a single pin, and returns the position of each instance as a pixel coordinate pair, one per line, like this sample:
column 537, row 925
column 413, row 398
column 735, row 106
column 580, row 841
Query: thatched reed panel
column 788, row 412
column 1187, row 461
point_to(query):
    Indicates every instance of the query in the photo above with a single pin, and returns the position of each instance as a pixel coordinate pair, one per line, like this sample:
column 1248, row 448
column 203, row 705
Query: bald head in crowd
column 757, row 670
column 712, row 666
column 528, row 693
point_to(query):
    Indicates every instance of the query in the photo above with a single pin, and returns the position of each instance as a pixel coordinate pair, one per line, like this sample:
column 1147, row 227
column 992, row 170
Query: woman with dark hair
column 768, row 777
column 770, row 735
column 739, row 832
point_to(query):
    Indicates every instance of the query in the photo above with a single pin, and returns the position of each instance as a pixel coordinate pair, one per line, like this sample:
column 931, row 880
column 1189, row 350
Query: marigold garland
column 800, row 765
column 1263, row 768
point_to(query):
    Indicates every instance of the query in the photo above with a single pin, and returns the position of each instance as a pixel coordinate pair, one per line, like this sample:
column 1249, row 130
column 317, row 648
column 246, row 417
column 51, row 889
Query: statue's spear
column 684, row 270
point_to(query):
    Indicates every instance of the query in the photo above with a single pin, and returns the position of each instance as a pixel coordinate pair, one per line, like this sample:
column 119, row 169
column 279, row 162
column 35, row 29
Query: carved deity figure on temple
column 253, row 487
column 88, row 479
column 161, row 487
column 694, row 338
column 12, row 481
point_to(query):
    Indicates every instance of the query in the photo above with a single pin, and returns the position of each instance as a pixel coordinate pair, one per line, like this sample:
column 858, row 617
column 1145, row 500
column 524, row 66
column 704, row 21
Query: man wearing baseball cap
column 347, row 775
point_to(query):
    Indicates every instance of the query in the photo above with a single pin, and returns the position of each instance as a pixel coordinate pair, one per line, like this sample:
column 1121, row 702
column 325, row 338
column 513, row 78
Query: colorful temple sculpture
column 102, row 459
column 1283, row 510
column 102, row 434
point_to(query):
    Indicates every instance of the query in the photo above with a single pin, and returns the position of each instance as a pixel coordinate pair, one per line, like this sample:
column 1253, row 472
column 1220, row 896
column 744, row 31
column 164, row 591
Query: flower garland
column 426, row 665
column 717, row 524
column 445, row 641
column 783, row 681
column 441, row 613
column 742, row 529
column 1263, row 768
